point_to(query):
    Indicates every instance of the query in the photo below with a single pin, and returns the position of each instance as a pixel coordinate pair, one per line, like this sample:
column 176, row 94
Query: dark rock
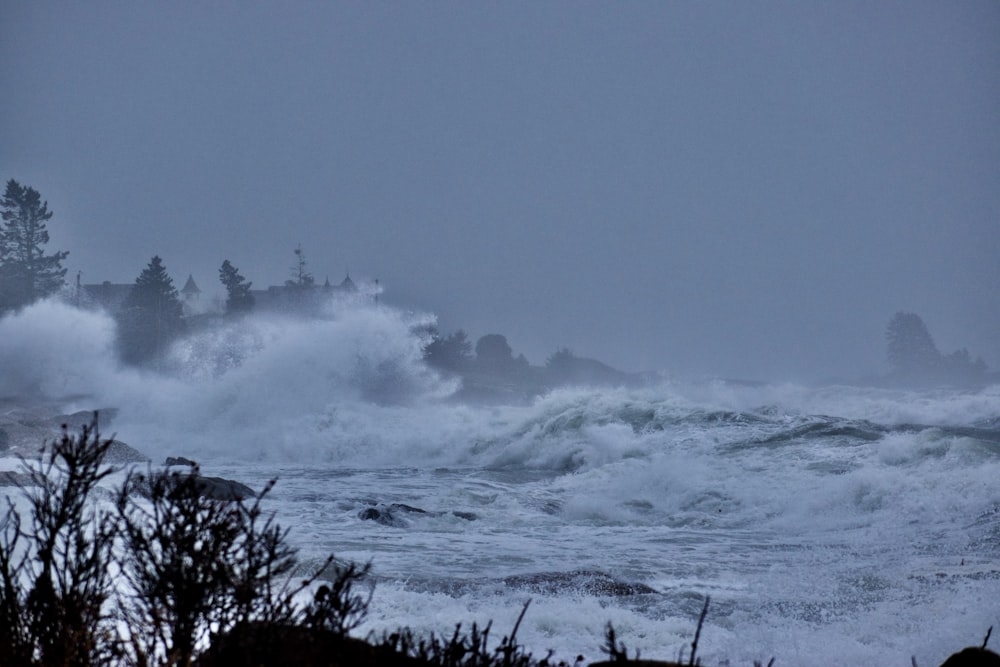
column 391, row 515
column 973, row 657
column 407, row 509
column 179, row 461
column 20, row 479
column 119, row 453
column 273, row 644
column 213, row 488
column 217, row 488
column 636, row 663
column 384, row 516
column 592, row 582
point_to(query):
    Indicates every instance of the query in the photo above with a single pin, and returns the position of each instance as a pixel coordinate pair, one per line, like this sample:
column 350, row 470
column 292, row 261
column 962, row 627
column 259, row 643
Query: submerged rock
column 384, row 517
column 392, row 514
column 593, row 582
column 180, row 461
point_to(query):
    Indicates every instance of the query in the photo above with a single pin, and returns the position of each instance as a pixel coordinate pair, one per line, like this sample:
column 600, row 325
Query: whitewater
column 829, row 525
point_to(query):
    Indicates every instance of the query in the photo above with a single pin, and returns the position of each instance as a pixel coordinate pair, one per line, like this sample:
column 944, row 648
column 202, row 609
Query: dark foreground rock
column 218, row 488
column 968, row 657
column 213, row 488
column 259, row 644
column 973, row 657
column 180, row 461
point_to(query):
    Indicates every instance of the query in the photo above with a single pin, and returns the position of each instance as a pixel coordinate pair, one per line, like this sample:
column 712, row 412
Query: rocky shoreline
column 24, row 432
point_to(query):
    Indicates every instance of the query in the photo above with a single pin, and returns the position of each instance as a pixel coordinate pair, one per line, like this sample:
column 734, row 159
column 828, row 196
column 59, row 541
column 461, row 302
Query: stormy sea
column 829, row 525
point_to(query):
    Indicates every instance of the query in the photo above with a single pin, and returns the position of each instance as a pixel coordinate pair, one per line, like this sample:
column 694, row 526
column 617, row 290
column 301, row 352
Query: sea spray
column 852, row 522
column 50, row 350
column 254, row 386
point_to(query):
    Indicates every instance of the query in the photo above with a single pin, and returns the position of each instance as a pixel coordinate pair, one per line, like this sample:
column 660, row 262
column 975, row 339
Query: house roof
column 190, row 287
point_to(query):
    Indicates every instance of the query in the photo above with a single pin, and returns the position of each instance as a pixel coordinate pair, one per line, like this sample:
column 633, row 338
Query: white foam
column 818, row 546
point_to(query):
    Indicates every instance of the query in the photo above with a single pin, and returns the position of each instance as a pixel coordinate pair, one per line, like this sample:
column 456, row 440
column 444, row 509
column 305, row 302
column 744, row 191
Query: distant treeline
column 150, row 313
column 150, row 316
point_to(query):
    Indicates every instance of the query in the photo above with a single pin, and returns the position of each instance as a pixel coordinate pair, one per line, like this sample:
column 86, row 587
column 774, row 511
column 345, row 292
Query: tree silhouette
column 26, row 272
column 561, row 359
column 913, row 355
column 238, row 299
column 301, row 277
column 494, row 353
column 151, row 316
column 451, row 353
column 301, row 294
column 911, row 350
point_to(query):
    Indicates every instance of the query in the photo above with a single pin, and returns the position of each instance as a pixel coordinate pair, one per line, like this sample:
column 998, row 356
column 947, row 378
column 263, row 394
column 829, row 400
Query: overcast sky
column 748, row 189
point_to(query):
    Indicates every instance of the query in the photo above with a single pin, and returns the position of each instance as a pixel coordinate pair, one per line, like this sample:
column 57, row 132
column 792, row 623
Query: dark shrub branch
column 55, row 577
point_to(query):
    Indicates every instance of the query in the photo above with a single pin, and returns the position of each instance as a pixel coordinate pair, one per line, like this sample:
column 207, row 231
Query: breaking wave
column 839, row 516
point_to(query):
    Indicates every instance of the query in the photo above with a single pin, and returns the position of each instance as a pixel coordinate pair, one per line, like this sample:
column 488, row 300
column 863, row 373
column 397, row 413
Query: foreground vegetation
column 154, row 573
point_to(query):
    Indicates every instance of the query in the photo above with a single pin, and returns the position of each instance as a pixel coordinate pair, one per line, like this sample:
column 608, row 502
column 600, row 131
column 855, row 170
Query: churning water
column 832, row 525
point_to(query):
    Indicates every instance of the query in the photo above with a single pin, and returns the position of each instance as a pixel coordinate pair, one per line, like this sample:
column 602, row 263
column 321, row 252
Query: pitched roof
column 190, row 287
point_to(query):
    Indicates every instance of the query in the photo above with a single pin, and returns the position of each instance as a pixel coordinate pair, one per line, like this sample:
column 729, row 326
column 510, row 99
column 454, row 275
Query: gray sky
column 739, row 188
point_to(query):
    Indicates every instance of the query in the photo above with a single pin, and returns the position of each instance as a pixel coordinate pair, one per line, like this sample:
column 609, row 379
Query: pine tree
column 451, row 353
column 238, row 299
column 494, row 353
column 26, row 272
column 301, row 278
column 300, row 293
column 152, row 315
column 911, row 350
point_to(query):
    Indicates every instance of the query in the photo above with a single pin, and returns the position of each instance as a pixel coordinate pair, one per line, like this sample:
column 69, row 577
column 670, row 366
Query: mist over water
column 829, row 524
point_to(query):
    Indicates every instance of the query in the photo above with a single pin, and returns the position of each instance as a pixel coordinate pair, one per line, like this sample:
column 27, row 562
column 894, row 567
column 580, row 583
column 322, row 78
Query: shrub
column 55, row 576
column 192, row 569
column 196, row 566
